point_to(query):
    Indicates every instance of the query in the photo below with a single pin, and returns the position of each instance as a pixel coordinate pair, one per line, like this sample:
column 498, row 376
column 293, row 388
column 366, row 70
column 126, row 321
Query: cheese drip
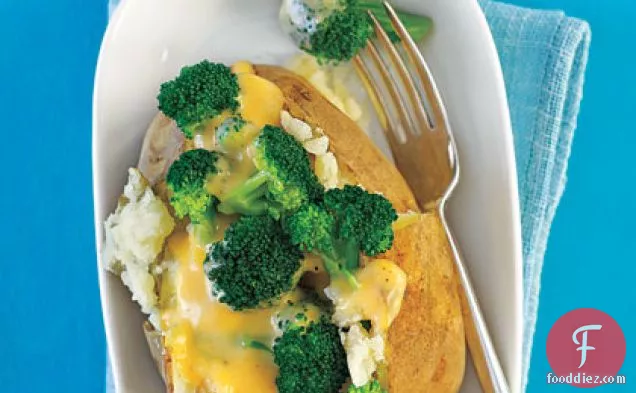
column 205, row 337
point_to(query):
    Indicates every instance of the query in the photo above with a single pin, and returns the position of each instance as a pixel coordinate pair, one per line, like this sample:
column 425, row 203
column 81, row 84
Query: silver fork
column 424, row 150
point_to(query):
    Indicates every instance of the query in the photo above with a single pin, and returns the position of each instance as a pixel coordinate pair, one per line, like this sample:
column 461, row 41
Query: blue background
column 52, row 337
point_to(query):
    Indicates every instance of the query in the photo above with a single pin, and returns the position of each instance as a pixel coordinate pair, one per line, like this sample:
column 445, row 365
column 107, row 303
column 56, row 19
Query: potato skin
column 426, row 347
column 426, row 341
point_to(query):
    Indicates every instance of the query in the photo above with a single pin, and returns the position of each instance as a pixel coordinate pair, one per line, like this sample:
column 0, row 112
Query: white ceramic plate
column 148, row 41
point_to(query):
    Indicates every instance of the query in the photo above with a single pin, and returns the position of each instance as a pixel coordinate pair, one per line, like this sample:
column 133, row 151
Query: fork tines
column 405, row 98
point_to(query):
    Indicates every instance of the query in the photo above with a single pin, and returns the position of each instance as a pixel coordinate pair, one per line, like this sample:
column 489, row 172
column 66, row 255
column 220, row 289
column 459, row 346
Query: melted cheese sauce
column 261, row 100
column 378, row 297
column 205, row 338
column 207, row 138
column 236, row 170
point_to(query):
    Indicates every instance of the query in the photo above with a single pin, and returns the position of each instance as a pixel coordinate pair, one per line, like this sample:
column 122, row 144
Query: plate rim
column 513, row 181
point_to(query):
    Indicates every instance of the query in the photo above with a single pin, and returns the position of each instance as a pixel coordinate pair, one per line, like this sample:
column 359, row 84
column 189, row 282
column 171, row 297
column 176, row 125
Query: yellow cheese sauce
column 261, row 100
column 207, row 138
column 378, row 298
column 205, row 337
column 235, row 171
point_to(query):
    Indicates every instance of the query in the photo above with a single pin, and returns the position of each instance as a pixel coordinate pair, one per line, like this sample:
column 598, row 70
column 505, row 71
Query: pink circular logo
column 585, row 348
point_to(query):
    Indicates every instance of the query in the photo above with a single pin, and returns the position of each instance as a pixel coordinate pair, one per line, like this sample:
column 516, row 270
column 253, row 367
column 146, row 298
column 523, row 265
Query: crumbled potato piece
column 134, row 237
column 295, row 127
column 363, row 353
column 327, row 170
column 317, row 146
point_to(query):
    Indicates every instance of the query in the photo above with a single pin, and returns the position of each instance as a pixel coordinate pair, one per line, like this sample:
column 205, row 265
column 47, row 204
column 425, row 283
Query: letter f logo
column 584, row 347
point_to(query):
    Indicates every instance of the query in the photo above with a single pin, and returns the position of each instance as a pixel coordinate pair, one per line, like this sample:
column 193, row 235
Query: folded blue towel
column 543, row 55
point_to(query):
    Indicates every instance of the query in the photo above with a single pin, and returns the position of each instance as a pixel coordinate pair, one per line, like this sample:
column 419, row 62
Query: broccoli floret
column 341, row 35
column 371, row 387
column 198, row 94
column 351, row 220
column 313, row 228
column 254, row 264
column 283, row 182
column 186, row 180
column 348, row 27
column 310, row 358
column 362, row 217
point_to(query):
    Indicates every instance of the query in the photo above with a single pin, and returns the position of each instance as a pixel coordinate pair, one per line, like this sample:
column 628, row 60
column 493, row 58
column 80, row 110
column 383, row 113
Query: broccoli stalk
column 283, row 181
column 310, row 358
column 234, row 134
column 254, row 264
column 371, row 387
column 200, row 93
column 350, row 220
column 313, row 228
column 252, row 343
column 186, row 180
column 417, row 25
column 248, row 198
column 347, row 29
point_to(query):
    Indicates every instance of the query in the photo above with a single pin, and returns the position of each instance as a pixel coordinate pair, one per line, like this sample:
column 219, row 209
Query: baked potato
column 424, row 347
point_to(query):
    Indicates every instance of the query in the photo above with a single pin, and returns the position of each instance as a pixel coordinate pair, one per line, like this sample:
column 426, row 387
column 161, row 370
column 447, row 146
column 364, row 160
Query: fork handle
column 487, row 366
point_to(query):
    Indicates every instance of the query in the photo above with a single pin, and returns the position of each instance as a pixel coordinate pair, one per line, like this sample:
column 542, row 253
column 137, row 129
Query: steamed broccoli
column 200, row 93
column 254, row 264
column 342, row 34
column 310, row 358
column 348, row 27
column 371, row 387
column 363, row 218
column 350, row 220
column 283, row 182
column 186, row 180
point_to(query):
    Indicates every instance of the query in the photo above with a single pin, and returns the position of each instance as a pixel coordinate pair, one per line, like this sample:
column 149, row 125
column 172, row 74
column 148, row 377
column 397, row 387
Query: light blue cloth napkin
column 543, row 55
